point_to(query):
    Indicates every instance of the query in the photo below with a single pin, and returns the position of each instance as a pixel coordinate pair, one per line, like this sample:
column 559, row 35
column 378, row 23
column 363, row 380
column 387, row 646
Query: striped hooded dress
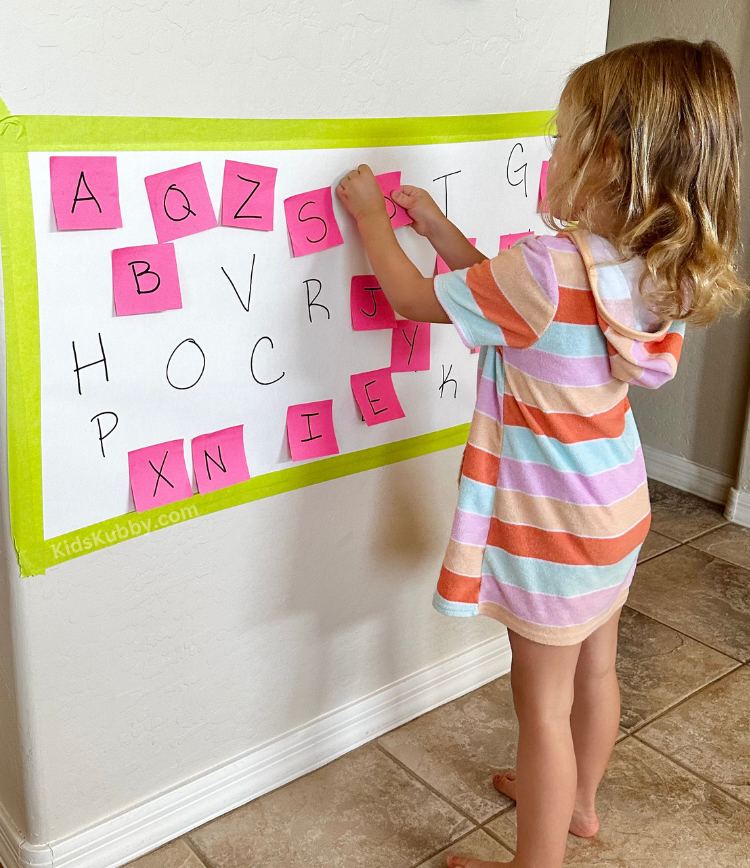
column 553, row 502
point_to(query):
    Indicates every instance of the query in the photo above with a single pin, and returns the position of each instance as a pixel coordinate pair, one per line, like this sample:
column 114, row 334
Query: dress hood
column 643, row 349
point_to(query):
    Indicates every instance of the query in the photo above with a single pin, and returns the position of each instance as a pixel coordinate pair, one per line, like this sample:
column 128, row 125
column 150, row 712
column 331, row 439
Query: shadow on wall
column 352, row 606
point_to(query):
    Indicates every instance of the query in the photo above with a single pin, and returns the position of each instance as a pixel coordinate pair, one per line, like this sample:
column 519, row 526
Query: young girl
column 553, row 501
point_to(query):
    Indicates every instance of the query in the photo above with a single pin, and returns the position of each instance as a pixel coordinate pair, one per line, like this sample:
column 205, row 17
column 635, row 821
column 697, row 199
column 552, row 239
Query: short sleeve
column 508, row 301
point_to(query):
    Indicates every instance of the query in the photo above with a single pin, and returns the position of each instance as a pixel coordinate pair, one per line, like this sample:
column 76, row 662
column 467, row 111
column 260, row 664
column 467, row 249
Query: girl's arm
column 452, row 245
column 410, row 294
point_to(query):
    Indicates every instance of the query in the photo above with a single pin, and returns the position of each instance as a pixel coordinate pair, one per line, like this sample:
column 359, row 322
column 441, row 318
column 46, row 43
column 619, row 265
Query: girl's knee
column 537, row 702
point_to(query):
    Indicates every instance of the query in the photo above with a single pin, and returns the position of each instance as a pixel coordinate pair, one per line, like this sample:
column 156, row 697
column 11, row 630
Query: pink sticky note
column 158, row 475
column 376, row 397
column 247, row 195
column 410, row 346
column 85, row 192
column 180, row 203
column 388, row 182
column 542, row 186
column 219, row 459
column 370, row 308
column 145, row 280
column 440, row 264
column 309, row 428
column 507, row 241
column 311, row 222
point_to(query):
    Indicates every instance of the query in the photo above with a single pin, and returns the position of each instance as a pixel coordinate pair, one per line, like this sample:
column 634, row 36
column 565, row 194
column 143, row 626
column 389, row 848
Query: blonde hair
column 652, row 134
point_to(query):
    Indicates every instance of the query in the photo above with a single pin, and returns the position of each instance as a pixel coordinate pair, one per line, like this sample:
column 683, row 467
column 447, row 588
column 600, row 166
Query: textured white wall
column 153, row 661
column 700, row 415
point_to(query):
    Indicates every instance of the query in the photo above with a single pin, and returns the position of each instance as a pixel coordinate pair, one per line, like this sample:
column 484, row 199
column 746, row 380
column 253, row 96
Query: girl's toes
column 505, row 783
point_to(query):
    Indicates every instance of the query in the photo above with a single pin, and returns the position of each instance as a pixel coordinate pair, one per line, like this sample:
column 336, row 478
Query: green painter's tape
column 19, row 135
column 64, row 133
column 22, row 361
column 107, row 533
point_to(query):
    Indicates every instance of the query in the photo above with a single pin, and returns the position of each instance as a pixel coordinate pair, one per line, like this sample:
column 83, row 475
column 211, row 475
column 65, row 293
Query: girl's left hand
column 360, row 194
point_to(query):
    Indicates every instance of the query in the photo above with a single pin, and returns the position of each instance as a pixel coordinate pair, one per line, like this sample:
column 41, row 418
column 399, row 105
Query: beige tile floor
column 676, row 794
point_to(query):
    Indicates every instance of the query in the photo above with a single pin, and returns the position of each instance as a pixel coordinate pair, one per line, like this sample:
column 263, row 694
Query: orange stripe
column 458, row 589
column 576, row 306
column 671, row 343
column 565, row 548
column 480, row 465
column 566, row 427
column 496, row 307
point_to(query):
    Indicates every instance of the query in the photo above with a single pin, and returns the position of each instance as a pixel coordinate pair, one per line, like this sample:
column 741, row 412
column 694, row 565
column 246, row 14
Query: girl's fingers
column 402, row 199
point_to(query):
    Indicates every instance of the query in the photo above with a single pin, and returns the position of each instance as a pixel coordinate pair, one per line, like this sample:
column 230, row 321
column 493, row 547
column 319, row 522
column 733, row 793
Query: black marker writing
column 372, row 290
column 444, row 178
column 137, row 275
column 306, row 219
column 521, row 168
column 448, row 379
column 373, row 401
column 309, row 429
column 185, row 204
column 220, row 463
column 389, row 203
column 250, row 290
column 78, row 368
column 193, row 343
column 90, row 198
column 411, row 342
column 237, row 214
column 252, row 364
column 314, row 302
column 103, row 436
column 159, row 474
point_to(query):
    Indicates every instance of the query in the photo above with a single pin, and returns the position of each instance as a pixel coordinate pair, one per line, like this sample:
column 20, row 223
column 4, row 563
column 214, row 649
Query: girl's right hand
column 422, row 208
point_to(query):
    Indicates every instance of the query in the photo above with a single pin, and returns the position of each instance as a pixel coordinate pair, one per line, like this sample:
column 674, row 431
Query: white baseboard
column 10, row 841
column 686, row 475
column 171, row 814
column 738, row 507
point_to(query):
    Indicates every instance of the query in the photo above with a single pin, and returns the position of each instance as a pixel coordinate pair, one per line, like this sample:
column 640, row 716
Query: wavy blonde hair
column 651, row 135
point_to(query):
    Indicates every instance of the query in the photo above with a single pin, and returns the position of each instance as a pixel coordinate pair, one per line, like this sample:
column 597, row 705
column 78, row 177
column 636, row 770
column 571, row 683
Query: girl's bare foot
column 583, row 824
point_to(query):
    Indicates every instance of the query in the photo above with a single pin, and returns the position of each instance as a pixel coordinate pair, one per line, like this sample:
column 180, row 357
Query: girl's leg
column 542, row 680
column 594, row 720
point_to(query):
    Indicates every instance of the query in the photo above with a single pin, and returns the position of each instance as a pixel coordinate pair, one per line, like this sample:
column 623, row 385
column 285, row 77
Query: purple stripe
column 539, row 262
column 656, row 371
column 488, row 401
column 547, row 609
column 601, row 489
column 564, row 244
column 470, row 528
column 562, row 371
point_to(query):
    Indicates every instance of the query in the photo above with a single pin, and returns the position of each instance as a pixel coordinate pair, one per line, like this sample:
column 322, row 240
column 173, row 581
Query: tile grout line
column 432, row 789
column 692, row 772
column 659, row 554
column 494, row 835
column 189, row 844
column 452, row 844
column 686, row 635
column 204, row 860
column 684, row 542
column 699, row 690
